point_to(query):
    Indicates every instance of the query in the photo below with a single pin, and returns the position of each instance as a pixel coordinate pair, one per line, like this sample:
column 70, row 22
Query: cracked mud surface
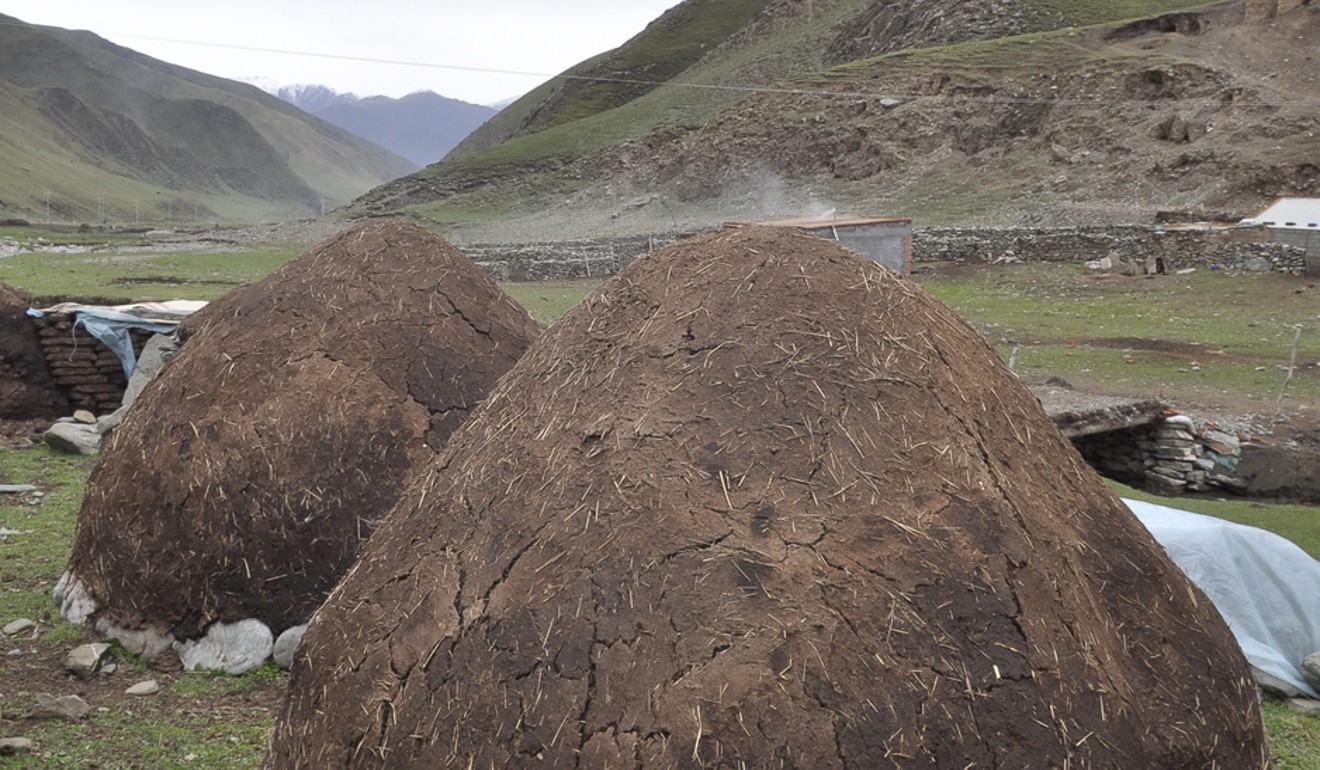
column 245, row 481
column 758, row 503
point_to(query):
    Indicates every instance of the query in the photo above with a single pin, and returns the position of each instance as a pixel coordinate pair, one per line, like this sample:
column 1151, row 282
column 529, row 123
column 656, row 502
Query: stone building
column 1295, row 222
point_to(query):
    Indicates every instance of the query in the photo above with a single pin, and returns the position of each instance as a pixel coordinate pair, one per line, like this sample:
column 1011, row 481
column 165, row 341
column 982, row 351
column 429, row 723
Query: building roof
column 820, row 223
column 1300, row 213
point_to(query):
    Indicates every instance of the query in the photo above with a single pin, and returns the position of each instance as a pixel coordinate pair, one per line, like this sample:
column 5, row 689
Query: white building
column 1296, row 222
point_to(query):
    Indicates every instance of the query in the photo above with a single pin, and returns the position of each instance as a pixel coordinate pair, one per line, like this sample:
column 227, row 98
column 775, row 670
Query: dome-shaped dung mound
column 249, row 472
column 759, row 502
column 27, row 390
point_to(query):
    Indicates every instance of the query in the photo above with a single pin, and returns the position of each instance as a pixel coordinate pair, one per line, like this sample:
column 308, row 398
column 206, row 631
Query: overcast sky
column 462, row 49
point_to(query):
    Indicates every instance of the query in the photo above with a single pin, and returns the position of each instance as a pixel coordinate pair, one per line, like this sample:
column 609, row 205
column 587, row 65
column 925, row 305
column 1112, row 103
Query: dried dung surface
column 247, row 475
column 27, row 391
column 758, row 502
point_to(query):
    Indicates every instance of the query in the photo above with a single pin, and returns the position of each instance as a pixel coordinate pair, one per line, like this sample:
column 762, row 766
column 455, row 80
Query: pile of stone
column 84, row 432
column 88, row 371
column 1181, row 460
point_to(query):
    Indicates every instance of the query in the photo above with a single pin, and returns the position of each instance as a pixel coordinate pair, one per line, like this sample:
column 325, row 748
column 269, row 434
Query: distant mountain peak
column 422, row 126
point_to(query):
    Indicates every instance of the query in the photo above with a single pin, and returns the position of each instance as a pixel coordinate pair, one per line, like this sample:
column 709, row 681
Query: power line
column 745, row 89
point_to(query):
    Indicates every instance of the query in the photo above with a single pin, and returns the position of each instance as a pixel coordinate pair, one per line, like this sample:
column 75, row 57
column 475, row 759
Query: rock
column 19, row 626
column 76, row 605
column 1221, row 443
column 84, row 417
column 73, row 438
column 1274, row 686
column 234, row 648
column 1223, row 461
column 1310, row 668
column 1229, row 482
column 890, row 102
column 84, row 660
column 64, row 707
column 106, row 424
column 1162, row 485
column 145, row 642
column 149, row 687
column 286, row 645
column 14, row 489
column 1305, row 706
column 157, row 352
column 1180, row 420
column 12, row 746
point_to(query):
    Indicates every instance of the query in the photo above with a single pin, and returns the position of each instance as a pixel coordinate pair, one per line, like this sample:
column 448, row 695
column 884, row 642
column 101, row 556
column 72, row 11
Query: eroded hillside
column 945, row 119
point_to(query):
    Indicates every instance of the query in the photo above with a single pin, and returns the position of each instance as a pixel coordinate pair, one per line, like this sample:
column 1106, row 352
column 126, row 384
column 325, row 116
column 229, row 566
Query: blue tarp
column 111, row 325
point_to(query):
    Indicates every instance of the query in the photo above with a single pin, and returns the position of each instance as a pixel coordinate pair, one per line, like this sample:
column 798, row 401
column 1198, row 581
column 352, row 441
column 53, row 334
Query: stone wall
column 1141, row 248
column 562, row 259
column 1169, row 457
column 88, row 372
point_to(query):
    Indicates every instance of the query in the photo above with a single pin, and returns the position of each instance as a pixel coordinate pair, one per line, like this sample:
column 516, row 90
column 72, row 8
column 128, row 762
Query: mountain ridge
column 105, row 127
column 422, row 126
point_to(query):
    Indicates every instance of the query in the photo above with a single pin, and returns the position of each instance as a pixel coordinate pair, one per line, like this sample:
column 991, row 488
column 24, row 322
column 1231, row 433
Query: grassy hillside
column 106, row 134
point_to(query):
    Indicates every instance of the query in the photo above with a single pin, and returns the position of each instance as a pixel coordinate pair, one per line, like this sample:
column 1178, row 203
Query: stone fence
column 81, row 366
column 1168, row 457
column 1140, row 249
column 562, row 259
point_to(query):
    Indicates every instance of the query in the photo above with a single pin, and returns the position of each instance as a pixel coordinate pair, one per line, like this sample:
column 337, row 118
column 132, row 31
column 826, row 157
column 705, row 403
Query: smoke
column 764, row 194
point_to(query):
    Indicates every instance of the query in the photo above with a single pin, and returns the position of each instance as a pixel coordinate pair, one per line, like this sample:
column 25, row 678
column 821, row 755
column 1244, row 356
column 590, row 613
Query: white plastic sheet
column 1266, row 588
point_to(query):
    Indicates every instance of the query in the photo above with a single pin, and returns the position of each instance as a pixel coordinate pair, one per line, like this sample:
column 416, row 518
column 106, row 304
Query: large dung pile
column 758, row 502
column 249, row 472
column 27, row 390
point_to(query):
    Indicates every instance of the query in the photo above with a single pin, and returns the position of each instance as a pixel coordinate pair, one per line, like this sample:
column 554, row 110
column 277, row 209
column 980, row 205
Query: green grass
column 121, row 740
column 1209, row 334
column 119, row 267
column 1294, row 738
column 547, row 300
column 1088, row 12
column 198, row 734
